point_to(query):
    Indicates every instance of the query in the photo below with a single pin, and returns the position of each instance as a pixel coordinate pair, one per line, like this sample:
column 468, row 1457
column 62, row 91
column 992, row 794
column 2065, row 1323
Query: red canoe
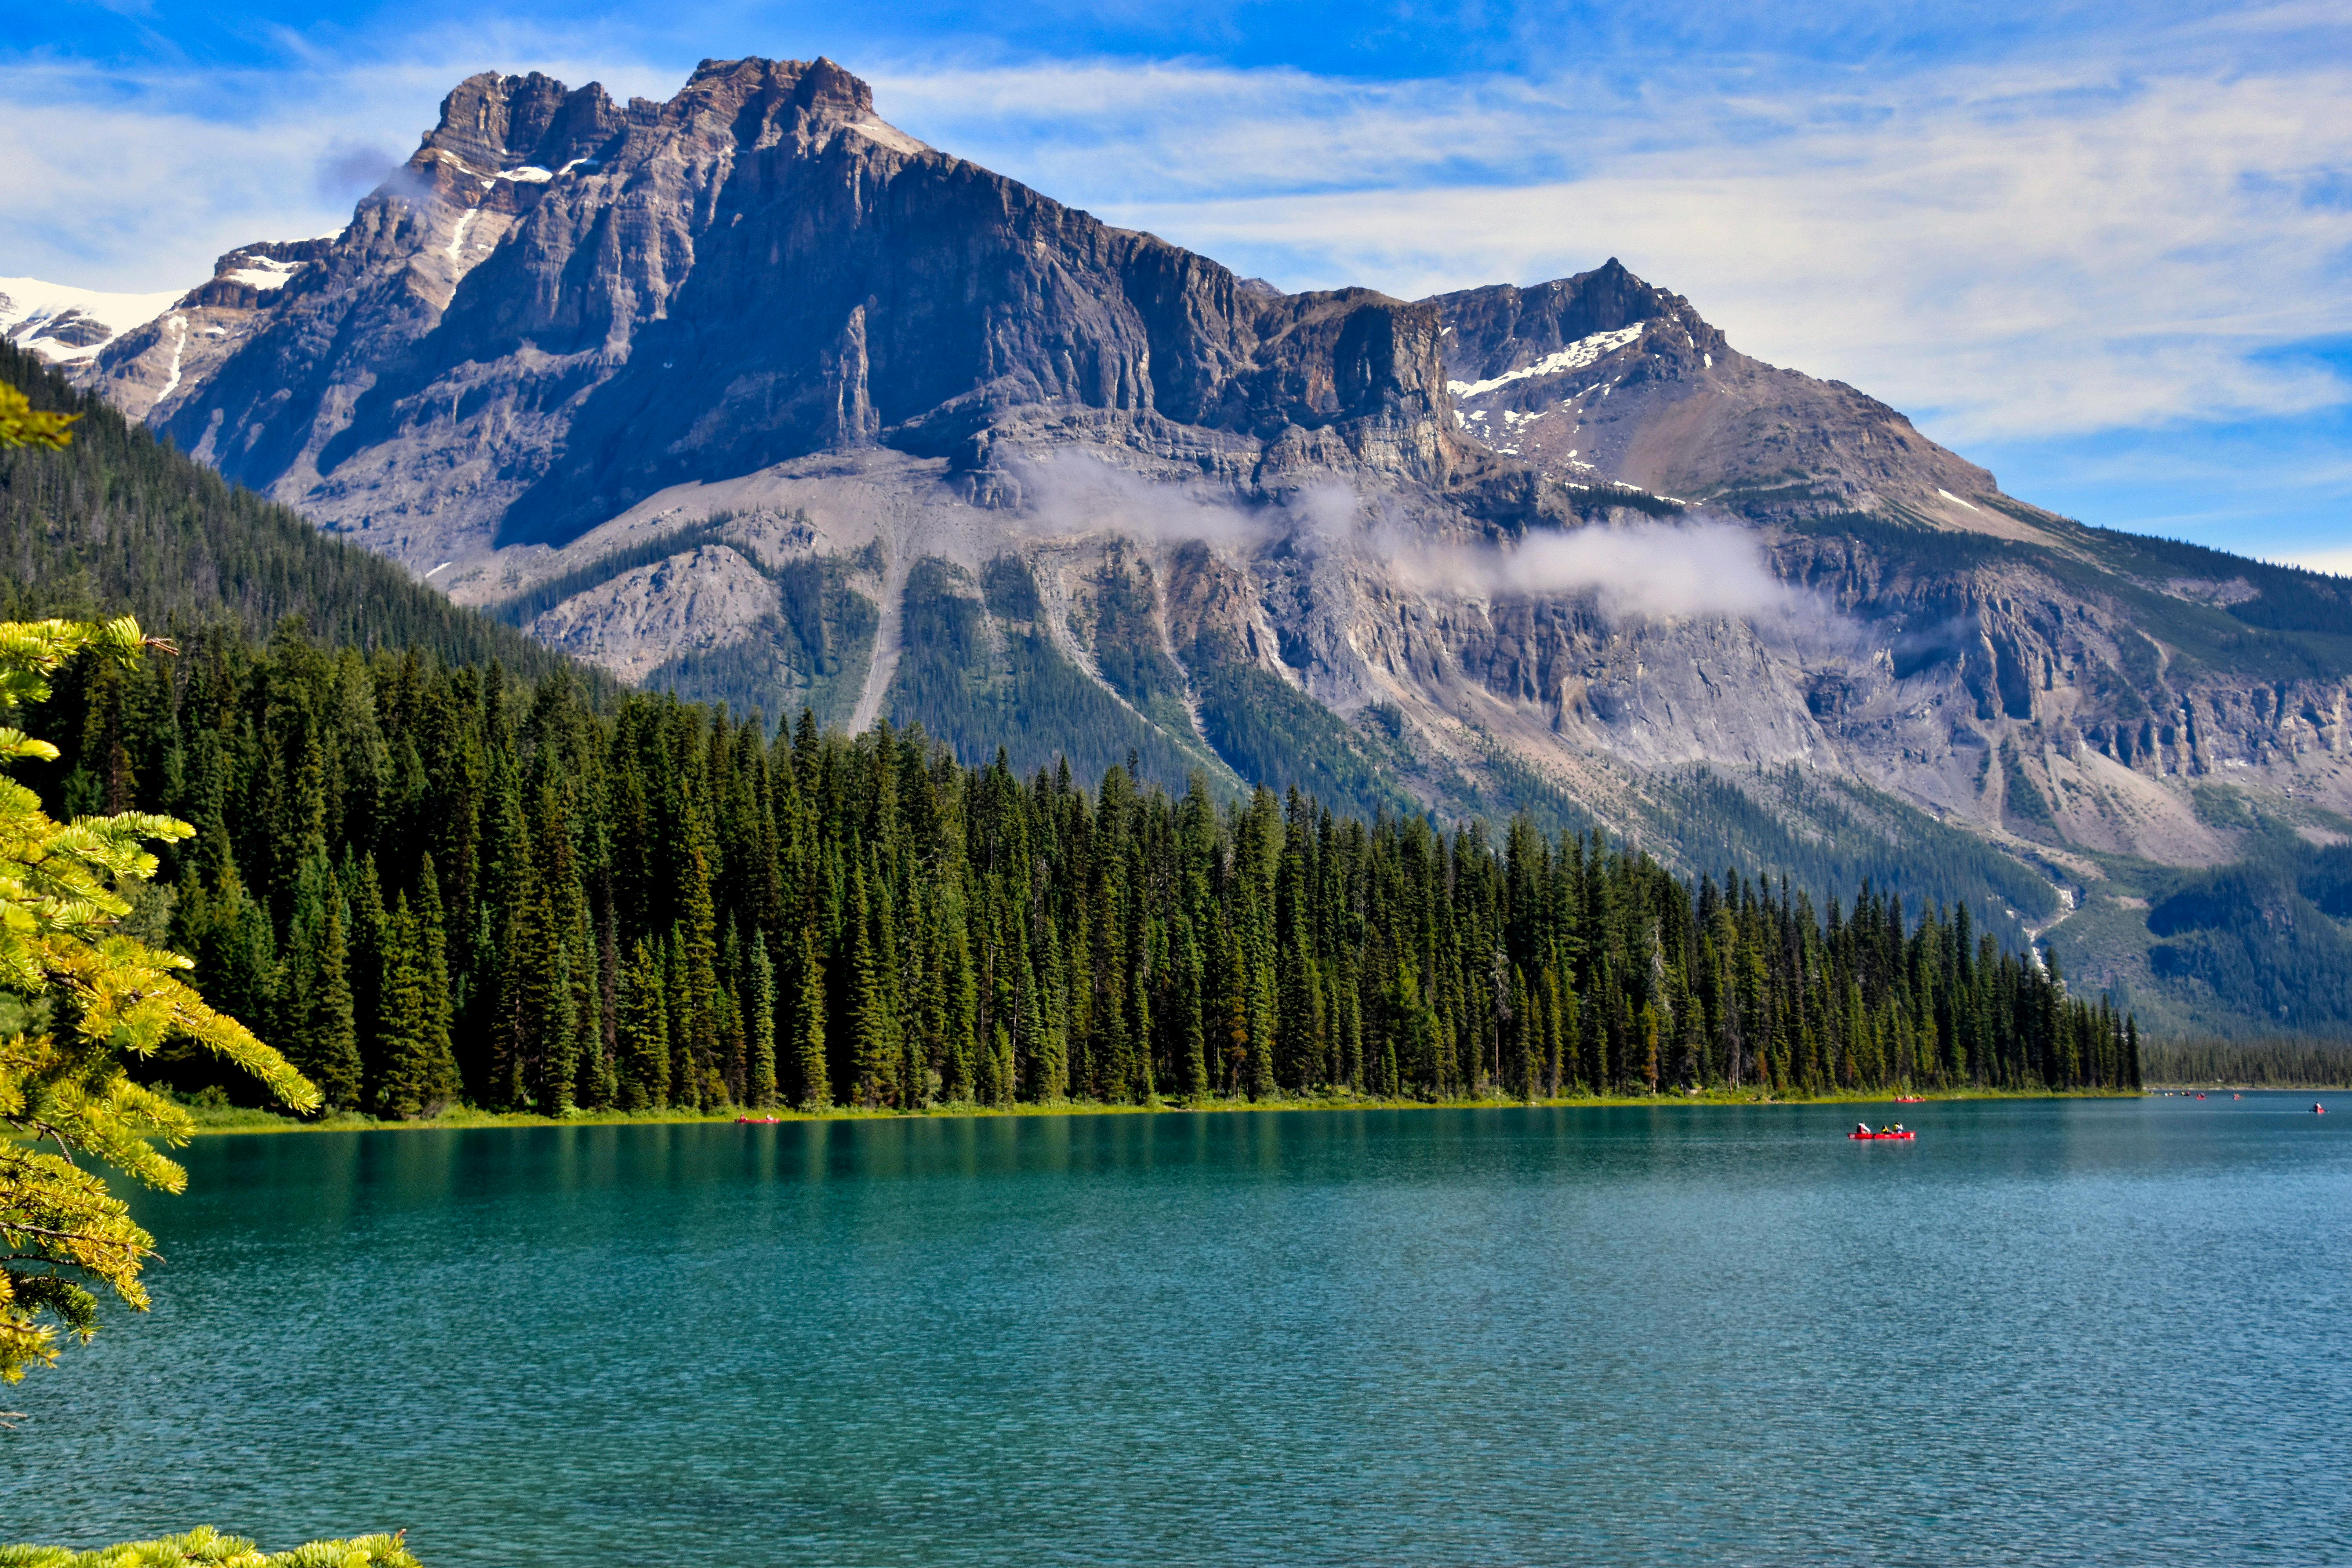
column 1873, row 1137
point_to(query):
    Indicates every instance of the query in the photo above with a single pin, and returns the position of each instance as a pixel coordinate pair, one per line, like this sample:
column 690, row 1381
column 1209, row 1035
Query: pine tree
column 406, row 1029
column 439, row 1083
column 761, row 1003
column 809, row 1027
column 644, row 1070
column 331, row 1034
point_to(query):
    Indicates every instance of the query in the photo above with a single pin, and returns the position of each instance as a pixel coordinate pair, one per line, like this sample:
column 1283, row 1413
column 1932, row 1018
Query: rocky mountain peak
column 597, row 301
column 1604, row 380
column 816, row 86
column 1496, row 330
column 496, row 122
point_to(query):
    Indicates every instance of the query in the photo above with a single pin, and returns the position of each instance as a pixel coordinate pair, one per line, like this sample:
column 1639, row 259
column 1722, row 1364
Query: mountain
column 749, row 394
column 60, row 325
column 121, row 522
column 1601, row 378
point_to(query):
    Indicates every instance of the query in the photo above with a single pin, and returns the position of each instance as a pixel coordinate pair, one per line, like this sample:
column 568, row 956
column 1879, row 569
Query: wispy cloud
column 136, row 179
column 1705, row 567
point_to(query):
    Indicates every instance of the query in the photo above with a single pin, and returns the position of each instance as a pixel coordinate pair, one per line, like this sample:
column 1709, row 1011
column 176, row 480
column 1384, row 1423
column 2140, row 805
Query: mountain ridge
column 864, row 385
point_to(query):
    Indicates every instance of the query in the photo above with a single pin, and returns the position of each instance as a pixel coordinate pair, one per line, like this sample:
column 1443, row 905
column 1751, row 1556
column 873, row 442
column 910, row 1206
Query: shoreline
column 2209, row 1088
column 212, row 1122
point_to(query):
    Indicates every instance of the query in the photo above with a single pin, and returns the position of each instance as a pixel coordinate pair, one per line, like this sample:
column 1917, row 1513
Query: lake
column 2048, row 1331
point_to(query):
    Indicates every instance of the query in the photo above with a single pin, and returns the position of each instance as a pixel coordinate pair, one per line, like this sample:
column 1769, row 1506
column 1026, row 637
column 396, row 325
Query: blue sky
column 2108, row 253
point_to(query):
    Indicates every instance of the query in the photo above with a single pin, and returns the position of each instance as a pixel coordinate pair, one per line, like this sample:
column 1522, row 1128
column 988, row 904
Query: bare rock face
column 560, row 305
column 696, row 600
column 1602, row 379
column 153, row 370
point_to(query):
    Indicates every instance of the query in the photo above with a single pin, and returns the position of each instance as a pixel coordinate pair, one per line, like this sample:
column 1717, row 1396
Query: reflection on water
column 2047, row 1332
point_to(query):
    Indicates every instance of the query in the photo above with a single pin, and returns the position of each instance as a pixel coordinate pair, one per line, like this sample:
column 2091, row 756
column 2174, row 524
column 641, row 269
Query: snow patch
column 45, row 318
column 1576, row 356
column 1953, row 499
column 458, row 240
column 179, row 325
column 888, row 135
column 528, row 175
column 259, row 272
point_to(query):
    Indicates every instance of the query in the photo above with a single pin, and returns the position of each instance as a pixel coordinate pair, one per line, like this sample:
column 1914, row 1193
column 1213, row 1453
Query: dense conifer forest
column 119, row 523
column 2266, row 1064
column 429, row 882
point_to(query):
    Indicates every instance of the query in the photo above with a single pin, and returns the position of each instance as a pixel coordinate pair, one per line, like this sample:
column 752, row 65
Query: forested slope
column 424, row 882
column 122, row 522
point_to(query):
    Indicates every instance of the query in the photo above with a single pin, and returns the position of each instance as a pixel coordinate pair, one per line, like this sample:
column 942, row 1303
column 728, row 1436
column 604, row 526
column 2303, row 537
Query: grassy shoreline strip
column 213, row 1122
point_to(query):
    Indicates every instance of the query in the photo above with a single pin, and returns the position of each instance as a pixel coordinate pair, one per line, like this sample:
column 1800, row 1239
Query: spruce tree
column 406, row 1028
column 699, row 936
column 873, row 1047
column 813, row 1080
column 686, row 1082
column 761, row 1002
column 368, row 932
column 644, row 1048
column 332, row 1035
column 734, row 1017
column 440, row 1082
column 614, row 875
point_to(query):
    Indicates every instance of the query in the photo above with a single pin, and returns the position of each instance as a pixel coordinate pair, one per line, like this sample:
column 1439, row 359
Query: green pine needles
column 81, row 993
column 207, row 1547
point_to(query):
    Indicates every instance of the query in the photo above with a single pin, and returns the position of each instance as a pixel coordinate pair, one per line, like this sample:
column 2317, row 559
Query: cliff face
column 750, row 395
column 1601, row 378
column 560, row 305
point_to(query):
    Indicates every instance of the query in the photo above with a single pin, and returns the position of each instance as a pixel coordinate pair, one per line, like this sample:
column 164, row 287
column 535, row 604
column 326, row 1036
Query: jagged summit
column 1602, row 377
column 586, row 299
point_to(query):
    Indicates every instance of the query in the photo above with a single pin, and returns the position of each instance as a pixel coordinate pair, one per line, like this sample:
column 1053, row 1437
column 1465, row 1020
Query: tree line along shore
column 214, row 1118
column 435, row 885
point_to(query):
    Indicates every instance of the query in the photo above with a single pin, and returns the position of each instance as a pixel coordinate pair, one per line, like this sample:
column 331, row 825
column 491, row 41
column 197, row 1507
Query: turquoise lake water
column 2048, row 1331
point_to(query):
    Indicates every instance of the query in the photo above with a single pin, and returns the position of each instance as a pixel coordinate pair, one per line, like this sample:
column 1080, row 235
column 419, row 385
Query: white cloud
column 1643, row 571
column 137, row 180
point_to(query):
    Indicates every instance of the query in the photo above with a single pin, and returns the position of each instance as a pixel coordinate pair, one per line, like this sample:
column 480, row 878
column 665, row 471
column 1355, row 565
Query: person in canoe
column 1862, row 1128
column 1898, row 1130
